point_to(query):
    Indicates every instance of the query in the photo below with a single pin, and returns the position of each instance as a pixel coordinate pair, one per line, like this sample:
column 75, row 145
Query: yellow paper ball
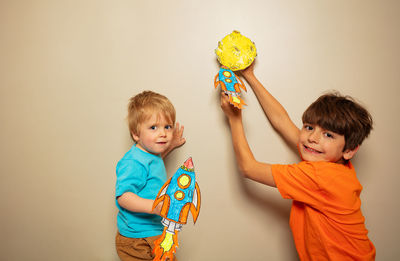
column 236, row 51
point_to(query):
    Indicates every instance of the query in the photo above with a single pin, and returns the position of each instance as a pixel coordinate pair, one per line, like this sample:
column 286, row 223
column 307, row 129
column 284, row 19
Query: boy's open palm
column 177, row 136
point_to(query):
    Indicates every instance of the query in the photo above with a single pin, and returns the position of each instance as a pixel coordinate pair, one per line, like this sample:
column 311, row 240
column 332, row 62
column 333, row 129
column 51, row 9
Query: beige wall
column 68, row 68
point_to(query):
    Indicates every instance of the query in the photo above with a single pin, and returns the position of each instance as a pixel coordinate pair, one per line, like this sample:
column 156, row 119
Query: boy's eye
column 153, row 127
column 308, row 127
column 168, row 127
column 329, row 135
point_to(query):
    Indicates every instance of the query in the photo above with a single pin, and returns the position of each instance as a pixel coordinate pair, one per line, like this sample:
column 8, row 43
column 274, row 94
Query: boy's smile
column 155, row 134
column 318, row 144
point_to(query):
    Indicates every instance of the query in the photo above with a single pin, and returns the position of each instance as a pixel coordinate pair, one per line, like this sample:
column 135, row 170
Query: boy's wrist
column 247, row 74
column 233, row 120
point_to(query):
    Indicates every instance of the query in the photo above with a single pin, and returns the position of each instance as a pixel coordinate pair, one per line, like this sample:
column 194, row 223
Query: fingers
column 157, row 209
column 180, row 129
column 249, row 70
column 224, row 98
column 178, row 134
column 229, row 110
column 225, row 104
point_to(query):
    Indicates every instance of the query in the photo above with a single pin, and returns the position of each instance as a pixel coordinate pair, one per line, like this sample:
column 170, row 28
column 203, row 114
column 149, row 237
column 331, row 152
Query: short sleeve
column 299, row 182
column 131, row 177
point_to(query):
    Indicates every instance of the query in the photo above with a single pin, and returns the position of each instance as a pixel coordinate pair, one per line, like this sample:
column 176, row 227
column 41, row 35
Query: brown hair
column 145, row 104
column 342, row 115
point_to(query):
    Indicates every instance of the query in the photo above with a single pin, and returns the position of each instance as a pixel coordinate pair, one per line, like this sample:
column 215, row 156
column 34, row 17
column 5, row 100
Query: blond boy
column 141, row 173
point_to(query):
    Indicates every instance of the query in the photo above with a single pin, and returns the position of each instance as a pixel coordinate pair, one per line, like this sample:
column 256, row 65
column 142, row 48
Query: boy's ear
column 348, row 154
column 135, row 137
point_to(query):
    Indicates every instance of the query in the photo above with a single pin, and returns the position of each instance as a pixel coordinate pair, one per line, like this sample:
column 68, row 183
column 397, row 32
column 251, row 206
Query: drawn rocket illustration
column 230, row 85
column 180, row 194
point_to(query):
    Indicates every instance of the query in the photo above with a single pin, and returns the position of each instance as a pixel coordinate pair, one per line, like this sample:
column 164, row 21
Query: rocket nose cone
column 188, row 163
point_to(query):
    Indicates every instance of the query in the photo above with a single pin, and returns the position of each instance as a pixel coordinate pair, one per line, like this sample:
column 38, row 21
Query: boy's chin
column 152, row 151
column 160, row 149
column 311, row 157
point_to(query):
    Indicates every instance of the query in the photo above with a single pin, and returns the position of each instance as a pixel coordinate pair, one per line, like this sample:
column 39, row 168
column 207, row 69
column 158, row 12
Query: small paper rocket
column 180, row 194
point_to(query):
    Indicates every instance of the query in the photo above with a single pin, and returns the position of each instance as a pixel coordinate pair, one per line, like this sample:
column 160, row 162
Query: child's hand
column 177, row 140
column 249, row 71
column 177, row 136
column 157, row 209
column 230, row 111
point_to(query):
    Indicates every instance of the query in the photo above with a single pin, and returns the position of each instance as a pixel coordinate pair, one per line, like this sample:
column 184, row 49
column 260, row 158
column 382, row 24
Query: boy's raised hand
column 157, row 209
column 230, row 111
column 249, row 71
column 177, row 137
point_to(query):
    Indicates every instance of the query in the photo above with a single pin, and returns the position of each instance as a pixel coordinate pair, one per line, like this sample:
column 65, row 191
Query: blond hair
column 143, row 105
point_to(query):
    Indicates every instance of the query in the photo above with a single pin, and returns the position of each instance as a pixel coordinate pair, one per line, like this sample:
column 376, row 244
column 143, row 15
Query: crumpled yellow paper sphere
column 236, row 51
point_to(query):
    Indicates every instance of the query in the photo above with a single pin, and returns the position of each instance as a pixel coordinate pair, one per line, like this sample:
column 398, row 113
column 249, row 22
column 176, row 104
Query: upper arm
column 131, row 177
column 290, row 133
column 300, row 182
column 260, row 172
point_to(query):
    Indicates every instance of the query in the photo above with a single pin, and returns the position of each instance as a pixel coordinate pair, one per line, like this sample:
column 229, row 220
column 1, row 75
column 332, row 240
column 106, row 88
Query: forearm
column 248, row 165
column 132, row 202
column 243, row 154
column 276, row 113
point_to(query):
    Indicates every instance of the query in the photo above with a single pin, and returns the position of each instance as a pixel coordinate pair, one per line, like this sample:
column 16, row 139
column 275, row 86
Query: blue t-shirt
column 144, row 174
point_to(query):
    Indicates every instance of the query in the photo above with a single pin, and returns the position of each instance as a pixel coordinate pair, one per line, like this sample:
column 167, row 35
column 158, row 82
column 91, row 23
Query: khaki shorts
column 133, row 249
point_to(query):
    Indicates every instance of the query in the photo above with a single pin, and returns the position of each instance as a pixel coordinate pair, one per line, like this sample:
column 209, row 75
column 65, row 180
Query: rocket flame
column 165, row 246
column 236, row 101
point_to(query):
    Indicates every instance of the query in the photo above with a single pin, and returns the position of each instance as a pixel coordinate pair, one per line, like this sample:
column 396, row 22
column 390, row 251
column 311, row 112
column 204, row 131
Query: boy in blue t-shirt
column 141, row 173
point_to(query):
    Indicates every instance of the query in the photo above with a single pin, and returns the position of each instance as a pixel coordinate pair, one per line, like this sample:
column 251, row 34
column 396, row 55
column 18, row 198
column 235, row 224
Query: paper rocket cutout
column 234, row 52
column 230, row 85
column 180, row 194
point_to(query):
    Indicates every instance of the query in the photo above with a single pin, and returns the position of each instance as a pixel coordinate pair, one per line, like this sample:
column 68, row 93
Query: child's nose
column 313, row 137
column 162, row 132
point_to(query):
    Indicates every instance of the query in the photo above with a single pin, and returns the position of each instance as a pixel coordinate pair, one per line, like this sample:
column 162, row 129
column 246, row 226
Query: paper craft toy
column 234, row 52
column 179, row 195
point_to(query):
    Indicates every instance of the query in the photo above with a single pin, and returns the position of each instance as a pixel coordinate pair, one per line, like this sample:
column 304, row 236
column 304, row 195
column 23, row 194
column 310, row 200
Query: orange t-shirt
column 326, row 220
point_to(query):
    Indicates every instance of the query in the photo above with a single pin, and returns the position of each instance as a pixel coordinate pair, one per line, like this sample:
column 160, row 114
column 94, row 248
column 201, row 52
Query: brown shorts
column 133, row 249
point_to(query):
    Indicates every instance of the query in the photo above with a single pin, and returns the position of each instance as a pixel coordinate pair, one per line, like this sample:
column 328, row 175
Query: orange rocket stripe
column 196, row 210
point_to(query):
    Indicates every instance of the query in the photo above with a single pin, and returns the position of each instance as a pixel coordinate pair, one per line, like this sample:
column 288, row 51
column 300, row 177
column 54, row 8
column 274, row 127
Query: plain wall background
column 68, row 68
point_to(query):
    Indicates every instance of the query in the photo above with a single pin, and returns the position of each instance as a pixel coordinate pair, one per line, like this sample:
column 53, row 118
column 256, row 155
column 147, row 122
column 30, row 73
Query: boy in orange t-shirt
column 326, row 220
